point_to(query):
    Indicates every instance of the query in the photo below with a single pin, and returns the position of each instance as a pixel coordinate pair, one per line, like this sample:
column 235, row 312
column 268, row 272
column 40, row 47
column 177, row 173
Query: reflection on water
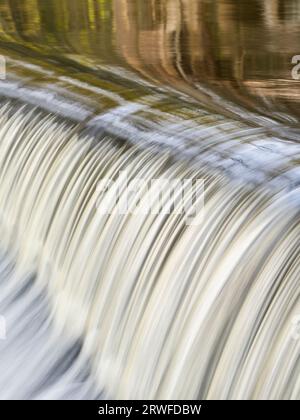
column 242, row 49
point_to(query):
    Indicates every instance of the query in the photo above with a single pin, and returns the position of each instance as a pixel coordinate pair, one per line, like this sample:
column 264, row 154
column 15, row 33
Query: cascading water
column 104, row 304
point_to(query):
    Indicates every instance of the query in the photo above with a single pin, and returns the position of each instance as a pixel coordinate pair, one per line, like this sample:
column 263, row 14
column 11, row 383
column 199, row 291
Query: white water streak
column 163, row 309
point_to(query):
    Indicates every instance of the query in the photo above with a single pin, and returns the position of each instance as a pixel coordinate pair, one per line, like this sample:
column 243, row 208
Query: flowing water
column 97, row 304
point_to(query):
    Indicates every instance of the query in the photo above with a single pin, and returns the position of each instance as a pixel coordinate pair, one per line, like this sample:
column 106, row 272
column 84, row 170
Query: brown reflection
column 224, row 39
column 242, row 49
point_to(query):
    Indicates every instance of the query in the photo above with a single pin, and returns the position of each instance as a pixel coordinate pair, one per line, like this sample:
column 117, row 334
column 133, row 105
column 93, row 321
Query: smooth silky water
column 147, row 306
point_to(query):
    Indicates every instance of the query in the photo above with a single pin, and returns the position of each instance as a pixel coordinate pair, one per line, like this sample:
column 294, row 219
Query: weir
column 100, row 304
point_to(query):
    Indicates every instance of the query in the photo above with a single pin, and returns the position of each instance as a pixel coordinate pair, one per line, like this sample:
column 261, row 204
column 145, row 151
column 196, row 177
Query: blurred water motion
column 148, row 307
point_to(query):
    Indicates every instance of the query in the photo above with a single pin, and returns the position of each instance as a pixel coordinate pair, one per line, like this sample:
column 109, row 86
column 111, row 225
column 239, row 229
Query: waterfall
column 144, row 306
column 149, row 200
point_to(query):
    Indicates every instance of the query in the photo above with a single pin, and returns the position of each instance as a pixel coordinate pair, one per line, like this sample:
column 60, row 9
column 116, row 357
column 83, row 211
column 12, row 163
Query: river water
column 98, row 305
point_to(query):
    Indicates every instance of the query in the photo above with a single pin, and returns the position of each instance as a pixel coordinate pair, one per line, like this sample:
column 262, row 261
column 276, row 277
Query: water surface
column 240, row 50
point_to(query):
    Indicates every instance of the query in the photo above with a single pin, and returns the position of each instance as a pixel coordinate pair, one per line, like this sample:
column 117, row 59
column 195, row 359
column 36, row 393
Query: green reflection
column 233, row 45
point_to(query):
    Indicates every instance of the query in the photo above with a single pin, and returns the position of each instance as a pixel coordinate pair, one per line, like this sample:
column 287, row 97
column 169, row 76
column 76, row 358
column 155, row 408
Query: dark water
column 240, row 49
